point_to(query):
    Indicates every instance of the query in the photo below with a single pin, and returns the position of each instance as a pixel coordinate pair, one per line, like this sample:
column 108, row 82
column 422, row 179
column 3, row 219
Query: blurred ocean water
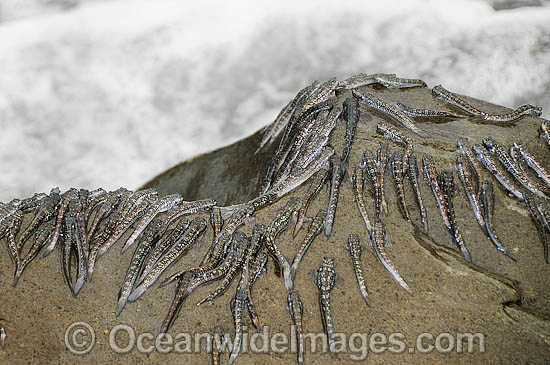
column 111, row 93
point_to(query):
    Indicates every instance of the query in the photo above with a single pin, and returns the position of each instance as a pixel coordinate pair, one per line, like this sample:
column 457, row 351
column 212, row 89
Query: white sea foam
column 111, row 93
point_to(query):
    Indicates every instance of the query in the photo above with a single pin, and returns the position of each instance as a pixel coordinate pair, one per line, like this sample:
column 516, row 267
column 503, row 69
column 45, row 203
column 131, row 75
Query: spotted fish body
column 283, row 117
column 389, row 110
column 518, row 148
column 30, row 204
column 81, row 232
column 216, row 221
column 544, row 132
column 544, row 216
column 381, row 163
column 187, row 282
column 357, row 182
column 110, row 204
column 238, row 304
column 318, row 95
column 354, row 248
column 531, row 205
column 397, row 174
column 316, row 185
column 487, row 205
column 338, row 171
column 197, row 226
column 203, row 276
column 164, row 245
column 351, row 115
column 263, row 200
column 136, row 199
column 243, row 248
column 150, row 237
column 69, row 244
column 110, row 226
column 182, row 293
column 315, row 228
column 207, row 271
column 325, row 278
column 237, row 309
column 160, row 206
column 294, row 181
column 12, row 231
column 256, row 269
column 379, row 242
column 413, row 178
column 218, row 335
column 46, row 210
column 95, row 199
column 513, row 168
column 81, row 246
column 127, row 220
column 466, row 179
column 286, row 163
column 182, row 208
column 317, row 141
column 296, row 309
column 282, row 150
column 497, row 172
column 41, row 236
column 427, row 113
column 299, row 142
column 453, row 99
column 447, row 182
column 430, row 174
column 390, row 81
column 523, row 110
column 392, row 134
column 224, row 237
column 475, row 174
column 276, row 226
column 373, row 175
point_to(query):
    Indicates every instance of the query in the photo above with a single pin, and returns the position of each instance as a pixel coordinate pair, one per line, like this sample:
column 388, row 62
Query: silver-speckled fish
column 518, row 148
column 317, row 184
column 379, row 242
column 488, row 205
column 160, row 206
column 354, row 247
column 431, row 174
column 413, row 178
column 164, row 245
column 338, row 171
column 397, row 174
column 515, row 170
column 494, row 169
column 446, row 180
column 242, row 243
column 357, row 182
column 148, row 241
column 197, row 226
column 277, row 225
column 389, row 110
column 325, row 277
column 296, row 309
column 390, row 81
column 127, row 221
column 315, row 227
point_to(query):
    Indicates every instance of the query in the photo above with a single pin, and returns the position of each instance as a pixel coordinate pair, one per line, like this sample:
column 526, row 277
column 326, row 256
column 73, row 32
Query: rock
column 450, row 297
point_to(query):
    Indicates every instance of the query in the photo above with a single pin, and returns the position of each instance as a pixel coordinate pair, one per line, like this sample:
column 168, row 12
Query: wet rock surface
column 506, row 301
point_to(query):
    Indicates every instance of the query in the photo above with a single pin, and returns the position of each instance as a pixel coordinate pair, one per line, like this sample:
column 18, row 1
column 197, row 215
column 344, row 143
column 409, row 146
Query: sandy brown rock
column 508, row 302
